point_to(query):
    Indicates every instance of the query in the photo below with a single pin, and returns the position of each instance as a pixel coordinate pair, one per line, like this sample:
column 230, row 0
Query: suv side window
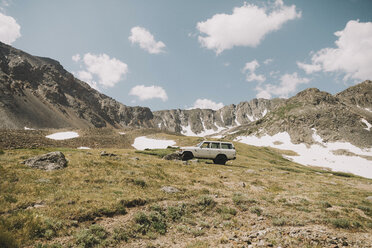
column 205, row 145
column 226, row 146
column 215, row 145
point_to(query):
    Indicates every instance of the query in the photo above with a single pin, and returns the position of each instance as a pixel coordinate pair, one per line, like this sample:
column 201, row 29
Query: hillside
column 38, row 92
column 339, row 118
column 259, row 199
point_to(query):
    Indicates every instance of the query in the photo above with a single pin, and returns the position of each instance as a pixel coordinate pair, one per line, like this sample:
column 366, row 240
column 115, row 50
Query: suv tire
column 187, row 156
column 220, row 159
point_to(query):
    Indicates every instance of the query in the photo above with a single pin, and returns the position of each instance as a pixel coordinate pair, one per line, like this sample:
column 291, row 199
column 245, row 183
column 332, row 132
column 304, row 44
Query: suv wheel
column 220, row 159
column 187, row 156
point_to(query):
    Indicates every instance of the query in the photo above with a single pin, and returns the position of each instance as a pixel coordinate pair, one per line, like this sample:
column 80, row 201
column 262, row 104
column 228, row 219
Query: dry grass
column 121, row 197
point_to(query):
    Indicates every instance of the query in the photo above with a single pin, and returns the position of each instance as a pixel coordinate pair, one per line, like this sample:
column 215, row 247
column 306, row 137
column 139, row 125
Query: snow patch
column 317, row 154
column 264, row 112
column 251, row 118
column 83, row 148
column 142, row 143
column 121, row 133
column 63, row 135
column 28, row 128
column 368, row 128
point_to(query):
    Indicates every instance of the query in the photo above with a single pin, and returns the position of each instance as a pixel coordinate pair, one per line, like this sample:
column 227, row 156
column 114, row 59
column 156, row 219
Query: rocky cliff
column 344, row 117
column 39, row 93
column 203, row 122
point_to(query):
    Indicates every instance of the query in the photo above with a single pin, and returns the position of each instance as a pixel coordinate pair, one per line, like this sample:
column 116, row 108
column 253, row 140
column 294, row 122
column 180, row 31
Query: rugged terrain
column 340, row 117
column 138, row 199
column 38, row 93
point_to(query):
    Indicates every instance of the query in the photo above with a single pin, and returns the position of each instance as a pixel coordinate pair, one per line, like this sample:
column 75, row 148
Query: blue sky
column 198, row 53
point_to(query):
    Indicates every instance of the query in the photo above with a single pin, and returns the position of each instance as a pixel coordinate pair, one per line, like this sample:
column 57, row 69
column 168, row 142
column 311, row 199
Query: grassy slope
column 117, row 200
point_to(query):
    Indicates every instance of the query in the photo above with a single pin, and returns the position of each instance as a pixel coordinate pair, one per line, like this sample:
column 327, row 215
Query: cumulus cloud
column 288, row 84
column 309, row 68
column 76, row 57
column 146, row 40
column 10, row 30
column 101, row 70
column 206, row 104
column 246, row 26
column 268, row 61
column 149, row 92
column 352, row 55
column 249, row 69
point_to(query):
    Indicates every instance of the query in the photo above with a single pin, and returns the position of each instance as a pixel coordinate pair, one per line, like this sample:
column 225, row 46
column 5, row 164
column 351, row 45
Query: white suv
column 219, row 151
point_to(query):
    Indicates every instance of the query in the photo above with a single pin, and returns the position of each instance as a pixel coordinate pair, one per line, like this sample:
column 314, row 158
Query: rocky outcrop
column 333, row 117
column 39, row 93
column 207, row 121
column 49, row 161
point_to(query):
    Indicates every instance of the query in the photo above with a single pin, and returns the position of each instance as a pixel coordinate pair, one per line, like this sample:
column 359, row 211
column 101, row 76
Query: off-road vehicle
column 219, row 151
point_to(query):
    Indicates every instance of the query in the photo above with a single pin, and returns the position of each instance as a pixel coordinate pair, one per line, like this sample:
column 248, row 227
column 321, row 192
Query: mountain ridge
column 37, row 92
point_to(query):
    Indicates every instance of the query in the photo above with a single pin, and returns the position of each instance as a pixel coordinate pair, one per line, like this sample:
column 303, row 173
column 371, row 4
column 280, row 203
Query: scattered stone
column 135, row 158
column 250, row 171
column 49, row 161
column 169, row 189
column 105, row 154
column 185, row 162
column 172, row 156
column 243, row 184
column 369, row 198
column 194, row 160
column 43, row 180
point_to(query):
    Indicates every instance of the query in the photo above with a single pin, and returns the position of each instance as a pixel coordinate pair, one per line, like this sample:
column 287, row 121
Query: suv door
column 215, row 149
column 204, row 151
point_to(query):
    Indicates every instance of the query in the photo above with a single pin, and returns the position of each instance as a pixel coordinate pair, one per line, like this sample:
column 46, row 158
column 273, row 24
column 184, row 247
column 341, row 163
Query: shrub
column 341, row 223
column 226, row 212
column 242, row 202
column 206, row 202
column 120, row 234
column 256, row 210
column 6, row 239
column 91, row 237
column 279, row 221
column 325, row 204
column 154, row 222
column 176, row 213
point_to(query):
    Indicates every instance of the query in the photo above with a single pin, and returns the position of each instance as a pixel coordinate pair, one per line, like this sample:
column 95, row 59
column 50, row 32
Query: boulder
column 169, row 189
column 172, row 156
column 49, row 161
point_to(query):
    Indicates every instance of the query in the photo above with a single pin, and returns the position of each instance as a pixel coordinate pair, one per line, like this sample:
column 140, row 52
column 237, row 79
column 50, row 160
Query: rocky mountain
column 39, row 93
column 202, row 122
column 344, row 117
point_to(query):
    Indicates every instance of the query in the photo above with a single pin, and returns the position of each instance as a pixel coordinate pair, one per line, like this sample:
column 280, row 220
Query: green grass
column 122, row 199
column 158, row 152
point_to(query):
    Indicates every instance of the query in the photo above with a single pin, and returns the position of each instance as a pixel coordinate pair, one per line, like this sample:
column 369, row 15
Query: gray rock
column 369, row 198
column 49, row 161
column 172, row 156
column 169, row 189
column 105, row 154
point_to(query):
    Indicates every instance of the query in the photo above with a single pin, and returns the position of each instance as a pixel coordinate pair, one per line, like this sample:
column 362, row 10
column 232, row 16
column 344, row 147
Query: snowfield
column 63, row 135
column 320, row 154
column 141, row 143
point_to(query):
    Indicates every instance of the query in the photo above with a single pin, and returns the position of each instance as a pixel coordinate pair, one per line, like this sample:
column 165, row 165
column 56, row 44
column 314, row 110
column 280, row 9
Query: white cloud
column 101, row 70
column 149, row 92
column 9, row 29
column 254, row 77
column 251, row 66
column 309, row 68
column 251, row 75
column 76, row 57
column 146, row 40
column 352, row 55
column 268, row 61
column 246, row 26
column 206, row 104
column 288, row 84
